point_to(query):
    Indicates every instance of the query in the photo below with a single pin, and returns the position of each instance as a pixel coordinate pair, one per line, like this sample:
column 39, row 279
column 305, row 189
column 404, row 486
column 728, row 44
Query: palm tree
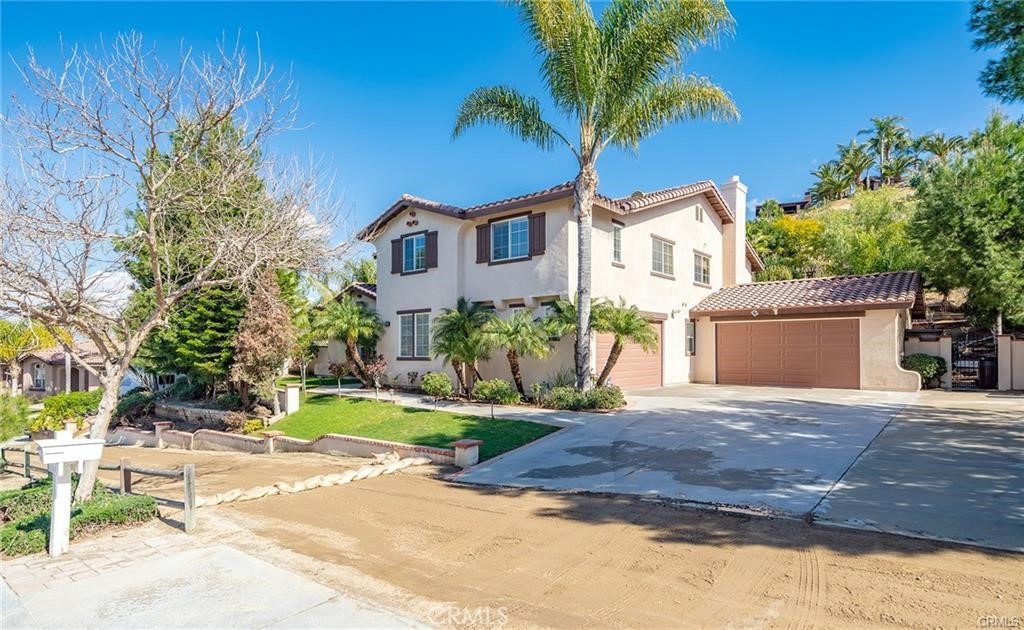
column 521, row 336
column 627, row 325
column 353, row 323
column 457, row 337
column 856, row 160
column 887, row 137
column 563, row 317
column 940, row 147
column 617, row 79
column 833, row 182
column 895, row 170
column 17, row 338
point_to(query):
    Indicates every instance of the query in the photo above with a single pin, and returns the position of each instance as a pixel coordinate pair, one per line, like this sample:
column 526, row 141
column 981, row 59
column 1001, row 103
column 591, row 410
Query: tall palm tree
column 457, row 337
column 856, row 160
column 833, row 182
column 351, row 322
column 939, row 146
column 887, row 137
column 521, row 336
column 627, row 325
column 17, row 338
column 617, row 79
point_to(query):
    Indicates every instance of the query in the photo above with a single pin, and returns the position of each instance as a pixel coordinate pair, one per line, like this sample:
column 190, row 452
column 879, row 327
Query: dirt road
column 550, row 559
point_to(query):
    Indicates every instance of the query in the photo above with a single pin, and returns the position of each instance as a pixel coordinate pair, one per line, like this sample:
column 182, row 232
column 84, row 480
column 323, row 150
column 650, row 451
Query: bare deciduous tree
column 92, row 138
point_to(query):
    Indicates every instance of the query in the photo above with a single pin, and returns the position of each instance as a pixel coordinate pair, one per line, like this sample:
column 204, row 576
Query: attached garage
column 635, row 368
column 803, row 353
column 840, row 332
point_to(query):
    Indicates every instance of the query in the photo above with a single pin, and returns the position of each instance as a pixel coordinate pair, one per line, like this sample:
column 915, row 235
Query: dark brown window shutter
column 537, row 234
column 396, row 256
column 483, row 243
column 431, row 250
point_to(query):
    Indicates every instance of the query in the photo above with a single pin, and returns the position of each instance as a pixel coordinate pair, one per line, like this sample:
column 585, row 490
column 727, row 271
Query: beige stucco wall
column 881, row 348
column 54, row 379
column 1011, row 363
column 1018, row 364
column 942, row 347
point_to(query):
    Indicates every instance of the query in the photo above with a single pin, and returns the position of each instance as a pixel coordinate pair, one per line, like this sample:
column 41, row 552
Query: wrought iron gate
column 974, row 360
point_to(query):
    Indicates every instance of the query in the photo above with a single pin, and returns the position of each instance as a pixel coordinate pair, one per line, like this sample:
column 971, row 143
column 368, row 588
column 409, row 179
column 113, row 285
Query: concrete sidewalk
column 206, row 587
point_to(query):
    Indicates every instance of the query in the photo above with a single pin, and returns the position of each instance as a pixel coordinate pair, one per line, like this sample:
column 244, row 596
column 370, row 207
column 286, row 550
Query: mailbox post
column 58, row 454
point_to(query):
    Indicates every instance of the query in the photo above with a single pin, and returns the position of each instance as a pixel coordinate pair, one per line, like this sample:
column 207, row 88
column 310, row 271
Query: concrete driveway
column 779, row 450
column 949, row 466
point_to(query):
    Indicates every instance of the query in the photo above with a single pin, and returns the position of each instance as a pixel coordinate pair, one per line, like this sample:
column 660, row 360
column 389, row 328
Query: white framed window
column 701, row 268
column 38, row 376
column 662, row 258
column 699, row 214
column 414, row 253
column 414, row 335
column 617, row 241
column 691, row 337
column 510, row 239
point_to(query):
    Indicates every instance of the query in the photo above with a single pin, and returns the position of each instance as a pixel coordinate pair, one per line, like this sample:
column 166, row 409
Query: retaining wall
column 183, row 413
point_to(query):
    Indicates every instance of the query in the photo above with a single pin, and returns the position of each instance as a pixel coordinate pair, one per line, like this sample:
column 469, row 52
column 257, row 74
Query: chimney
column 735, row 234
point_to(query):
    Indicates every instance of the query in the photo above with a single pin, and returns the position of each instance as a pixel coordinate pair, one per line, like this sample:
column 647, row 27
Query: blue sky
column 379, row 85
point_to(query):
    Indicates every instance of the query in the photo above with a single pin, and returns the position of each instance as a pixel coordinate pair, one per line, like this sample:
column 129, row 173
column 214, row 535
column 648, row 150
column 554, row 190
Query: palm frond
column 508, row 109
column 672, row 100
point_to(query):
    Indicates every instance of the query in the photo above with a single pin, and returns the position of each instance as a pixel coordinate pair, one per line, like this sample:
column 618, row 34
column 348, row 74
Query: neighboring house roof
column 896, row 289
column 623, row 205
column 363, row 288
column 87, row 351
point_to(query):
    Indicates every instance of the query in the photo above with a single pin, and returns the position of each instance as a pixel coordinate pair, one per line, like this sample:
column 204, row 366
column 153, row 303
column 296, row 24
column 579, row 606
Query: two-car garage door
column 809, row 353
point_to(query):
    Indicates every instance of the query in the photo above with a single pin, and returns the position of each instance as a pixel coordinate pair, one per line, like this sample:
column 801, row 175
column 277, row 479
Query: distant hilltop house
column 52, row 370
column 679, row 254
column 871, row 182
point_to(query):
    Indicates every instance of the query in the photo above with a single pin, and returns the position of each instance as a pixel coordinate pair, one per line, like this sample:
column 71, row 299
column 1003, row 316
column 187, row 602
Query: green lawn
column 316, row 381
column 325, row 413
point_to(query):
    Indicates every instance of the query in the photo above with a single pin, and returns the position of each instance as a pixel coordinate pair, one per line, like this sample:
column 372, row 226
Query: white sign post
column 58, row 454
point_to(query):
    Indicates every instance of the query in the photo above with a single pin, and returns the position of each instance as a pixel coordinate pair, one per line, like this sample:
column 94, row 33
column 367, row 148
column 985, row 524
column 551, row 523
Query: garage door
column 807, row 353
column 635, row 368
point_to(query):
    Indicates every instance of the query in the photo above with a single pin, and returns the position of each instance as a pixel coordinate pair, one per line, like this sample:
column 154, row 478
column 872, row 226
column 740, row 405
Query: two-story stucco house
column 671, row 253
column 663, row 251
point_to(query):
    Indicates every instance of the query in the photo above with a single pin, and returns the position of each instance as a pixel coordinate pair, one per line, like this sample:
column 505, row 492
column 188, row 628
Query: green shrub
column 497, row 391
column 571, row 399
column 566, row 398
column 228, row 401
column 437, row 384
column 66, row 407
column 13, row 415
column 185, row 389
column 253, row 425
column 926, row 365
column 605, row 397
column 137, row 404
column 105, row 509
column 33, row 499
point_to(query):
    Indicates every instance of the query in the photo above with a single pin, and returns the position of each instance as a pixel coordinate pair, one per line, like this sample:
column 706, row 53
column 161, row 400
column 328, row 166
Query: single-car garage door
column 807, row 353
column 635, row 368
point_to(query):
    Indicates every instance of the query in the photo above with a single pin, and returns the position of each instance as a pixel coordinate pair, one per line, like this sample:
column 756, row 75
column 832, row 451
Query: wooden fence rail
column 125, row 470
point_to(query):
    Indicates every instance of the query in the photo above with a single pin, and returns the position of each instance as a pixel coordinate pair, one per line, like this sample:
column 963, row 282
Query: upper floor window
column 699, row 214
column 617, row 241
column 414, row 333
column 510, row 239
column 662, row 260
column 701, row 269
column 414, row 253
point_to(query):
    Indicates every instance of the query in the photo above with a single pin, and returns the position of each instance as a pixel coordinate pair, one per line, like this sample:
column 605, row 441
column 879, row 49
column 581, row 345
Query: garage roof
column 894, row 289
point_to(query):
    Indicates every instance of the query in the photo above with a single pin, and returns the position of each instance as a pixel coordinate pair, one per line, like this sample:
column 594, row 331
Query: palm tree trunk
column 460, row 374
column 517, row 376
column 613, row 357
column 352, row 351
column 583, row 205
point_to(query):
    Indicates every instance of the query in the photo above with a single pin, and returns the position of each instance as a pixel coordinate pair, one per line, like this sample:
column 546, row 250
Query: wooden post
column 190, row 497
column 126, row 476
column 27, row 462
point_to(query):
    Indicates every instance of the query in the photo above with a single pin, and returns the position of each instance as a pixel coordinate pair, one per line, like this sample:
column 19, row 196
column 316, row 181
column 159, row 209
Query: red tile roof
column 622, row 205
column 55, row 355
column 895, row 289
